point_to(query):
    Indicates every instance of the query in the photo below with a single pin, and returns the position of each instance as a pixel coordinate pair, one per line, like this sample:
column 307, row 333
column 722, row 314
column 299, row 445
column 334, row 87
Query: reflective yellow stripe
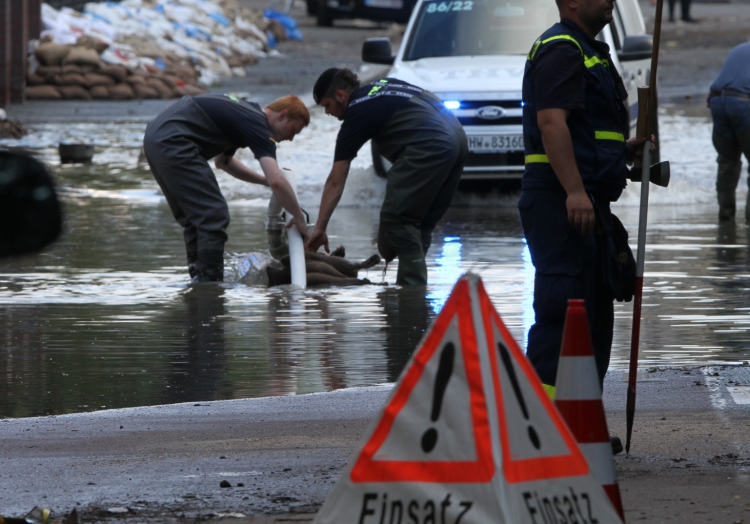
column 610, row 135
column 537, row 159
column 587, row 61
column 550, row 391
column 594, row 60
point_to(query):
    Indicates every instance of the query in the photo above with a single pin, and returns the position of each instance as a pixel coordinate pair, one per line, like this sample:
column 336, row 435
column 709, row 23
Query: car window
column 478, row 27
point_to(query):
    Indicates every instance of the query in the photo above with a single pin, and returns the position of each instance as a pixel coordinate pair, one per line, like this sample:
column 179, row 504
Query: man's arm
column 332, row 192
column 237, row 169
column 559, row 148
column 284, row 193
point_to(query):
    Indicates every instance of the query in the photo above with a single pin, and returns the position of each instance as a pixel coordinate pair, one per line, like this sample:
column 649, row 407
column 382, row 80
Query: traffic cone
column 578, row 397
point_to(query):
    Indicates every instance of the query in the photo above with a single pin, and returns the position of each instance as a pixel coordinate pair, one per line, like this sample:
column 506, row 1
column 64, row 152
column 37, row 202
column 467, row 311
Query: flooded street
column 105, row 319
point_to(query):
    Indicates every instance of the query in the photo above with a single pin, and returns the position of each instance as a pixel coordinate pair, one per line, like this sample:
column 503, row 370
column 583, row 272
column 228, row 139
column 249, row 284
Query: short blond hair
column 294, row 107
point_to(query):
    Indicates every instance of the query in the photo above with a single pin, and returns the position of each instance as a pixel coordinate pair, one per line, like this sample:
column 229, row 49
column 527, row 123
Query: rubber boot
column 727, row 206
column 412, row 270
column 209, row 267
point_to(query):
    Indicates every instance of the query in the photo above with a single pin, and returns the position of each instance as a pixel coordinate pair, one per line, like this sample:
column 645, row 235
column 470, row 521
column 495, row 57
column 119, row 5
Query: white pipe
column 296, row 243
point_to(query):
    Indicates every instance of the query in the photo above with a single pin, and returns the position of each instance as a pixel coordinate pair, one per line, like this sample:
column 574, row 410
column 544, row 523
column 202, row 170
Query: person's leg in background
column 672, row 4
column 685, row 11
column 729, row 159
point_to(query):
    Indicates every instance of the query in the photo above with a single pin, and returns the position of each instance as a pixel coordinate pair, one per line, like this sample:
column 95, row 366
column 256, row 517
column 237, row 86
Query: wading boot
column 727, row 206
column 412, row 270
column 209, row 266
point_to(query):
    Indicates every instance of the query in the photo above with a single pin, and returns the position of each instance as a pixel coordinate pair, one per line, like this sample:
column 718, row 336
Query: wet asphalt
column 282, row 455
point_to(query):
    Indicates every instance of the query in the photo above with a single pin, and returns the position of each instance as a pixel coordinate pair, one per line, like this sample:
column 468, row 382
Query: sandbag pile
column 77, row 72
column 141, row 49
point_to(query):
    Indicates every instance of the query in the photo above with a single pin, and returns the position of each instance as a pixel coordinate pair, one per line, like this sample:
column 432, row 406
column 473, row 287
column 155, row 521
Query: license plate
column 385, row 4
column 495, row 143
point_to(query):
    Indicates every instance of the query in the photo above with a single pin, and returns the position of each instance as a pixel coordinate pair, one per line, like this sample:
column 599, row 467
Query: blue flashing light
column 452, row 104
column 523, row 103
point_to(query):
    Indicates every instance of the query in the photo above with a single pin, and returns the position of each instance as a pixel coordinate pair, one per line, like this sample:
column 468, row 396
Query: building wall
column 20, row 21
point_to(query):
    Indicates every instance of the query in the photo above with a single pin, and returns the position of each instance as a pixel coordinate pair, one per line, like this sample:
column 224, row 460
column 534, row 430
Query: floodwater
column 105, row 317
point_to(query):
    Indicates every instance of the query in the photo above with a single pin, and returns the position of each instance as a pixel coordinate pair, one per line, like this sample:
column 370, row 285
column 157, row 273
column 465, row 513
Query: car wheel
column 312, row 7
column 379, row 164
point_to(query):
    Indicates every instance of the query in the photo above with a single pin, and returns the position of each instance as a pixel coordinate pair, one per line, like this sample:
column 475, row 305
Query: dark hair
column 332, row 80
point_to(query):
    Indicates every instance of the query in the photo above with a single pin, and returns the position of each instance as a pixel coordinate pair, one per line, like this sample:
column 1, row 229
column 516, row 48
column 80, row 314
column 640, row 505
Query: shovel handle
column 640, row 127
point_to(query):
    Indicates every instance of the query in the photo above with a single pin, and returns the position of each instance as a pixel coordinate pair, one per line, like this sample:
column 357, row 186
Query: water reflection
column 197, row 364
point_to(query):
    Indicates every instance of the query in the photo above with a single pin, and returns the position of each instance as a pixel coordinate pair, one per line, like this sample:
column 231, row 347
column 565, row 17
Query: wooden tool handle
column 640, row 128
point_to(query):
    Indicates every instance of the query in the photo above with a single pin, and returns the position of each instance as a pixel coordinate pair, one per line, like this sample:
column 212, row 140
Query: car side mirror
column 30, row 214
column 378, row 51
column 636, row 47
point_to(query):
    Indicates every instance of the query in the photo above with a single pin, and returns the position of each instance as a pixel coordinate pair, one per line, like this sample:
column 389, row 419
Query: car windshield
column 479, row 27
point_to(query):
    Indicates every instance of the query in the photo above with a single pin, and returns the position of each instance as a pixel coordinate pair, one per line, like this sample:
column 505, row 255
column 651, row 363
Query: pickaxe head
column 657, row 174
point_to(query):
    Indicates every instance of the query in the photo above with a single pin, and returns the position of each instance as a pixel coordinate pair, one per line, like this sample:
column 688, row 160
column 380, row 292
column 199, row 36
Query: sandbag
column 72, row 68
column 161, row 88
column 71, row 79
column 100, row 92
column 133, row 80
column 121, row 92
column 144, row 91
column 43, row 92
column 74, row 92
column 185, row 73
column 12, row 129
column 195, row 89
column 169, row 80
column 51, row 54
column 48, row 72
column 98, row 79
column 277, row 30
column 118, row 73
column 33, row 79
column 92, row 43
column 82, row 55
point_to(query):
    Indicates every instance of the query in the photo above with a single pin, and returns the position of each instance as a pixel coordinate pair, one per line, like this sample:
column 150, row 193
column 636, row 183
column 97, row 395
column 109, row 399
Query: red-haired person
column 179, row 144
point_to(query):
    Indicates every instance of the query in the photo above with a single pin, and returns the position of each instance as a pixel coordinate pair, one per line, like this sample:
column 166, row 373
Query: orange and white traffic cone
column 578, row 397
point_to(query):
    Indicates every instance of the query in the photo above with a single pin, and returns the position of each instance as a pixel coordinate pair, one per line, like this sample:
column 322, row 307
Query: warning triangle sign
column 468, row 435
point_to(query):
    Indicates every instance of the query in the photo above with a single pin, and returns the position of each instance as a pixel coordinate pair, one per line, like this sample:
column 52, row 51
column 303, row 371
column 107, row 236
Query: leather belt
column 730, row 93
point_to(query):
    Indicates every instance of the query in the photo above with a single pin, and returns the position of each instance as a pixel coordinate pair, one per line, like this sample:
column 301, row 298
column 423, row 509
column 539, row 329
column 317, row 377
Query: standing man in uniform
column 574, row 126
column 426, row 144
column 729, row 100
column 178, row 145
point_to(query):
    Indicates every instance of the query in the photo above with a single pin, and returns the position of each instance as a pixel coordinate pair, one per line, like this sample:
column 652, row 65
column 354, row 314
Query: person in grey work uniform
column 424, row 141
column 178, row 145
column 729, row 100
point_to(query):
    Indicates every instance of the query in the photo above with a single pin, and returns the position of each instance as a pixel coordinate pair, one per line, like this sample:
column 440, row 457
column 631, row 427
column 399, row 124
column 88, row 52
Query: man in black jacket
column 426, row 144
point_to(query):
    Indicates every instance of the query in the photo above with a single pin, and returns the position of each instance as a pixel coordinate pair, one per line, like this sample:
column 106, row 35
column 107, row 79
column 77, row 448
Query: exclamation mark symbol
column 445, row 369
column 517, row 390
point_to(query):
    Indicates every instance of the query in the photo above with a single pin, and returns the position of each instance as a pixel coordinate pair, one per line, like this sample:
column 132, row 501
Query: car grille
column 467, row 113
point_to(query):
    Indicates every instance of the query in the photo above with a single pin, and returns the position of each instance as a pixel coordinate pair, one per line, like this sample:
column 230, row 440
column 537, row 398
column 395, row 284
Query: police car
column 472, row 54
